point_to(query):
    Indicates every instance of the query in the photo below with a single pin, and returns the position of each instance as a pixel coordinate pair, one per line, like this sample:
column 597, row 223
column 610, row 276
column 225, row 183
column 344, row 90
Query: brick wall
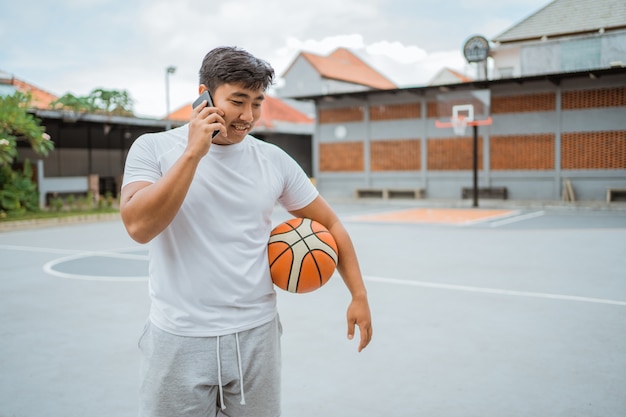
column 431, row 110
column 522, row 152
column 341, row 157
column 396, row 155
column 523, row 103
column 342, row 115
column 579, row 150
column 585, row 99
column 453, row 154
column 396, row 111
column 593, row 150
column 443, row 109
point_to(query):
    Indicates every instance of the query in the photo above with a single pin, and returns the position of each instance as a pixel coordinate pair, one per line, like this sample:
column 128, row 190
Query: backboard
column 459, row 109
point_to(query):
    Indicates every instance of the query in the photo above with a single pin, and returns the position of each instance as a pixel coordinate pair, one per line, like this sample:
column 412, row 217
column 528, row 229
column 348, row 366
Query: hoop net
column 459, row 124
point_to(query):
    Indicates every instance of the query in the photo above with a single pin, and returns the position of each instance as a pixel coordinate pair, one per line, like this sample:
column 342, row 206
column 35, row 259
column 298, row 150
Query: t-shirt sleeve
column 142, row 163
column 298, row 190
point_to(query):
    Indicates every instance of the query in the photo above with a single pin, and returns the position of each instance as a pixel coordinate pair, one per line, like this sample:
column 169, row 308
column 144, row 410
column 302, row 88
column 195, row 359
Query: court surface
column 495, row 312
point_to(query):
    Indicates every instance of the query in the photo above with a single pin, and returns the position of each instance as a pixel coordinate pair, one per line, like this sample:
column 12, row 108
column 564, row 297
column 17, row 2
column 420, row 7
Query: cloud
column 404, row 54
column 78, row 45
column 326, row 44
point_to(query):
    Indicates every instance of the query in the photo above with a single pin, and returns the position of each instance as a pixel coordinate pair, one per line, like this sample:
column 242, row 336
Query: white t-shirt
column 209, row 273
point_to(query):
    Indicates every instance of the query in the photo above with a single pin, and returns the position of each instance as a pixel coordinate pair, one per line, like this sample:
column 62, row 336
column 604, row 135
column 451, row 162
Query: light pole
column 169, row 70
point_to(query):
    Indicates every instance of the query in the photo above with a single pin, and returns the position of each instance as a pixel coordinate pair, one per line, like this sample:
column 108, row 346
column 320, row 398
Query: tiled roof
column 181, row 114
column 273, row 110
column 562, row 17
column 449, row 76
column 343, row 65
column 41, row 99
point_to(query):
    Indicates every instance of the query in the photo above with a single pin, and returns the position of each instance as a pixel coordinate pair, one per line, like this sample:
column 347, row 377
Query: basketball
column 302, row 255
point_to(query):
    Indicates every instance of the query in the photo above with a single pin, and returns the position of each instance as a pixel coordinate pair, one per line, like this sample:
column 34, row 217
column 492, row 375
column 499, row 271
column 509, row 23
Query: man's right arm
column 148, row 208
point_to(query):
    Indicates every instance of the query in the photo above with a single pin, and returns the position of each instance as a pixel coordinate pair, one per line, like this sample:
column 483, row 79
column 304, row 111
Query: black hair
column 234, row 65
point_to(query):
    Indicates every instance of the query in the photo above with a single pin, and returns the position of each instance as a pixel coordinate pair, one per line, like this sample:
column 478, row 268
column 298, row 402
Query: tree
column 72, row 102
column 16, row 124
column 18, row 192
column 113, row 102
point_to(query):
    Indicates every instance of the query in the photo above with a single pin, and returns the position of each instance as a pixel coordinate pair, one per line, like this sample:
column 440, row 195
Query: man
column 204, row 203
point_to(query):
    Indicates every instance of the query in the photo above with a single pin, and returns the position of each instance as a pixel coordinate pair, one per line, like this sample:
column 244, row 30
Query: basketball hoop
column 463, row 115
column 459, row 124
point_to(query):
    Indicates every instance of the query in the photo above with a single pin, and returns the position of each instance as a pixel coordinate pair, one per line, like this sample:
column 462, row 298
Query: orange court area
column 437, row 215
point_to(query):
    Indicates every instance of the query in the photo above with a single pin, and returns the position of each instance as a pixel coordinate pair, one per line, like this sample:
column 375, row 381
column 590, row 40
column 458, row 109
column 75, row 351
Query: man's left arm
column 348, row 266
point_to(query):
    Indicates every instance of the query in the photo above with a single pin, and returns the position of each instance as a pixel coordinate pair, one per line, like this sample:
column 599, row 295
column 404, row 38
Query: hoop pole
column 475, row 167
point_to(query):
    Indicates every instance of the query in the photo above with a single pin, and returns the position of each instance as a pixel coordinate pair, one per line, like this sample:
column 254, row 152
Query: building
column 447, row 76
column 341, row 71
column 545, row 130
column 90, row 149
column 552, row 125
column 563, row 36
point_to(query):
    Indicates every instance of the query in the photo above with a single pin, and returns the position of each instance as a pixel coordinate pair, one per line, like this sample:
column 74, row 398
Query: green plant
column 108, row 197
column 50, row 214
column 19, row 192
column 98, row 101
column 56, row 204
column 71, row 201
column 81, row 203
column 90, row 199
column 16, row 124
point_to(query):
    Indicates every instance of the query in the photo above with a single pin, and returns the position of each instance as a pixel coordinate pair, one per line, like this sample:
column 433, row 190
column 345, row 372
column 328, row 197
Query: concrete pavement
column 519, row 318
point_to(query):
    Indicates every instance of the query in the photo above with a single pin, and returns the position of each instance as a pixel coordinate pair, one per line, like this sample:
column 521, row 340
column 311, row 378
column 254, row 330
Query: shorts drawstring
column 219, row 372
column 243, row 398
column 219, row 375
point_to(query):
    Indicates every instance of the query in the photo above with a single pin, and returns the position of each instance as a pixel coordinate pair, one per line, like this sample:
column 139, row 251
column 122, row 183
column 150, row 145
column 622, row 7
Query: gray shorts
column 192, row 377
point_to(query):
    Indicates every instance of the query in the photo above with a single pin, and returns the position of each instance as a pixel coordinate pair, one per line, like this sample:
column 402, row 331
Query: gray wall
column 521, row 185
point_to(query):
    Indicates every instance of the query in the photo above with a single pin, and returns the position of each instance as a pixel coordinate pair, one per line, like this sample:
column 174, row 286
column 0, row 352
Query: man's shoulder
column 265, row 147
column 163, row 140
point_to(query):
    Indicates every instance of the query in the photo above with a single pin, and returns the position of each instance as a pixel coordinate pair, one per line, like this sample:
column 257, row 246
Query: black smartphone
column 205, row 96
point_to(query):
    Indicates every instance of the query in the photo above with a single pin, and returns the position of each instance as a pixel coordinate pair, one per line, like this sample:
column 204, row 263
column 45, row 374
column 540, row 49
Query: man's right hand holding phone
column 205, row 123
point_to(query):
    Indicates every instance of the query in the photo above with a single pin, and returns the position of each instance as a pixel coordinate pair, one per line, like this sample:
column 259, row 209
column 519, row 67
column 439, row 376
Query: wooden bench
column 370, row 193
column 389, row 193
column 404, row 193
column 615, row 194
column 486, row 192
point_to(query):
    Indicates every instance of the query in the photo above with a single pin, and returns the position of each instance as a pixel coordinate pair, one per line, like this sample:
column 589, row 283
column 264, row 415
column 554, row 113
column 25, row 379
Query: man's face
column 242, row 109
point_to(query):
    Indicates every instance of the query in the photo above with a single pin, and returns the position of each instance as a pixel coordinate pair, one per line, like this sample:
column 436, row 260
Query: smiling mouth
column 241, row 127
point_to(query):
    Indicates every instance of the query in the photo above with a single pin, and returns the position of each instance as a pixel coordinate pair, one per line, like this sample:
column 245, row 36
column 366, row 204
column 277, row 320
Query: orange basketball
column 302, row 255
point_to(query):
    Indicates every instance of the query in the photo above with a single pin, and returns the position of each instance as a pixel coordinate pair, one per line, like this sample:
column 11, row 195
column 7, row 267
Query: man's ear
column 202, row 88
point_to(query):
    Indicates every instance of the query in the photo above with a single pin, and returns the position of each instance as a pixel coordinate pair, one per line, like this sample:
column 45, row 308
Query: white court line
column 493, row 291
column 48, row 267
column 517, row 218
column 113, row 254
column 490, row 218
column 36, row 249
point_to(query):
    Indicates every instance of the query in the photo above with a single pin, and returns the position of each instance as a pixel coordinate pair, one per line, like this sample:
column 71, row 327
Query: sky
column 76, row 46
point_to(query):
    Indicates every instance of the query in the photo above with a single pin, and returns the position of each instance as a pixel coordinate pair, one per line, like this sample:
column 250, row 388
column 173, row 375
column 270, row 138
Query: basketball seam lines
column 309, row 250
